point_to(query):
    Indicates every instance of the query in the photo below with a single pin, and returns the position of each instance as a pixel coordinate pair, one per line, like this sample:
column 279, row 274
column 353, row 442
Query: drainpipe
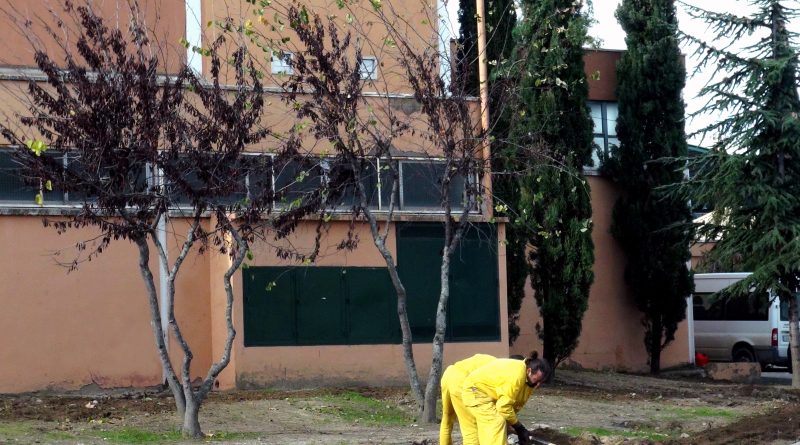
column 163, row 268
column 483, row 79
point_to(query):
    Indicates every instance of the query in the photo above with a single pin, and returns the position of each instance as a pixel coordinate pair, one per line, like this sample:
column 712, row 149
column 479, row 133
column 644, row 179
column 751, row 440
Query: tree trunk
column 655, row 345
column 155, row 321
column 432, row 388
column 191, row 419
column 794, row 341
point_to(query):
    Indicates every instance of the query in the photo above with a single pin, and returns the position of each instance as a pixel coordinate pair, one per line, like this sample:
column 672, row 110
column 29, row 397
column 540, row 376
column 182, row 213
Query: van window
column 708, row 308
column 751, row 307
column 785, row 308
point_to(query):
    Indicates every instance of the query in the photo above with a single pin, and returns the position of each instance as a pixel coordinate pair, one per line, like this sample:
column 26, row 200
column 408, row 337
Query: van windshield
column 785, row 307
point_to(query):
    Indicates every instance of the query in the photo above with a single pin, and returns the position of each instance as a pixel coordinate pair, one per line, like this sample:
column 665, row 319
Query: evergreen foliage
column 752, row 174
column 500, row 21
column 651, row 229
column 467, row 53
column 554, row 209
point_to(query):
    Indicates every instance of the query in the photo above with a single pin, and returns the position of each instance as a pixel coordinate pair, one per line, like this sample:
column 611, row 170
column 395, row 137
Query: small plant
column 357, row 408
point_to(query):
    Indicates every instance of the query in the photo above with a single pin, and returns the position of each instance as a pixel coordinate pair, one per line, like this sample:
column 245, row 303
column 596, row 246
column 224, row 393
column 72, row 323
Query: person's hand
column 522, row 433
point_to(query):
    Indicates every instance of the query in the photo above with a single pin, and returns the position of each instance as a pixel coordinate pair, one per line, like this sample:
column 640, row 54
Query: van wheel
column 744, row 354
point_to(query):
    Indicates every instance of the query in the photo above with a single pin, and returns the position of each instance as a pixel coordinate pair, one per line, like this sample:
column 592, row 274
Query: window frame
column 282, row 59
column 600, row 152
column 368, row 75
column 62, row 199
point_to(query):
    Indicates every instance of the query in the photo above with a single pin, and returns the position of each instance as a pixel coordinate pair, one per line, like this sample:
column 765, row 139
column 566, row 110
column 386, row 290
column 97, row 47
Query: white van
column 747, row 329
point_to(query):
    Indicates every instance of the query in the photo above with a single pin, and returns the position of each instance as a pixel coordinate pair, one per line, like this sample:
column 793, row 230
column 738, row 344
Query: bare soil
column 579, row 408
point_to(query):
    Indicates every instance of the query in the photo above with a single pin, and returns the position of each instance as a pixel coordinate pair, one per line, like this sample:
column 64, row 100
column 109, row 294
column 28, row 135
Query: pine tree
column 752, row 174
column 554, row 210
column 651, row 229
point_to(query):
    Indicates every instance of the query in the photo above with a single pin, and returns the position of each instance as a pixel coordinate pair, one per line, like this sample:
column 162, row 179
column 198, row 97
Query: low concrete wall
column 736, row 372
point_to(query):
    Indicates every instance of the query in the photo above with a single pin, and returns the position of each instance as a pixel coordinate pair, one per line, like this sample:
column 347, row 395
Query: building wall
column 63, row 331
column 612, row 336
column 165, row 19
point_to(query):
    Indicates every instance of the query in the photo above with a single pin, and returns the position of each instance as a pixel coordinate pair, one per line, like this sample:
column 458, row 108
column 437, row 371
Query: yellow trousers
column 482, row 419
column 452, row 407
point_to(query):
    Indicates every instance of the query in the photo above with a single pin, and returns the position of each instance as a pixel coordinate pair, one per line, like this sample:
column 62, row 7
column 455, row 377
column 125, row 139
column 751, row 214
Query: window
column 420, row 189
column 785, row 308
column 750, row 307
column 282, row 63
column 604, row 116
column 18, row 190
column 708, row 308
column 12, row 187
column 368, row 68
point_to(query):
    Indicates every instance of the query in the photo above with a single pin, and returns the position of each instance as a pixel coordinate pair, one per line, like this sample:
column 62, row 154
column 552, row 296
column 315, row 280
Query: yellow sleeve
column 505, row 406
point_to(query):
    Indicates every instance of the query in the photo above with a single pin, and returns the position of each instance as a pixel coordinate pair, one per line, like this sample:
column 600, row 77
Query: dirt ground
column 579, row 408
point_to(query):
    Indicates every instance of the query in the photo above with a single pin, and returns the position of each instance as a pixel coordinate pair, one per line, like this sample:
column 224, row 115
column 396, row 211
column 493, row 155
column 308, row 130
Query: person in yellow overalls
column 452, row 406
column 494, row 393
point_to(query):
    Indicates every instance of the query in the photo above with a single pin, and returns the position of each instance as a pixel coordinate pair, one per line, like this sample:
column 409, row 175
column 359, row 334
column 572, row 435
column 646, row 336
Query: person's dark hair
column 538, row 364
column 517, row 357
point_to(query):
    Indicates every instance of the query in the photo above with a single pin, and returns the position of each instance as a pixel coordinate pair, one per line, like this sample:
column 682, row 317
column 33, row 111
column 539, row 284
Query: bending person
column 494, row 393
column 452, row 406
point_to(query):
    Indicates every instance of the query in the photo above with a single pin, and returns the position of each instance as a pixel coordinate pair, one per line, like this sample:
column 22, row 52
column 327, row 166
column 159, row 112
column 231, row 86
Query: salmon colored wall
column 698, row 252
column 612, row 336
column 165, row 19
column 601, row 73
column 416, row 21
column 295, row 366
column 64, row 331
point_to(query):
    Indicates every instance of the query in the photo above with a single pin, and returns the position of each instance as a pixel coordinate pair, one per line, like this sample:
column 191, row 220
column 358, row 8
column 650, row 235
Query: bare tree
column 138, row 146
column 340, row 122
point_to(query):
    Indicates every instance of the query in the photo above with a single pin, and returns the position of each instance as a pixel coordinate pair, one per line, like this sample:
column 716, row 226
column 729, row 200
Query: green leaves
column 36, row 146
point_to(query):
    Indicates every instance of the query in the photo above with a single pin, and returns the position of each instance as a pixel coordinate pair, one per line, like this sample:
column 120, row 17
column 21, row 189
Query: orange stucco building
column 64, row 331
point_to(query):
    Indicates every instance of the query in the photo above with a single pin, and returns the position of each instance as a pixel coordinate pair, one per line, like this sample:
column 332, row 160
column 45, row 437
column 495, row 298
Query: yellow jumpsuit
column 492, row 395
column 452, row 379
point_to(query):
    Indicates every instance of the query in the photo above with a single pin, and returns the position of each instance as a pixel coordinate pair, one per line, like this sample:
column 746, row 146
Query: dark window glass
column 785, row 308
column 296, row 181
column 259, row 175
column 343, row 179
column 12, row 185
column 708, row 307
column 135, row 182
column 422, row 186
column 750, row 307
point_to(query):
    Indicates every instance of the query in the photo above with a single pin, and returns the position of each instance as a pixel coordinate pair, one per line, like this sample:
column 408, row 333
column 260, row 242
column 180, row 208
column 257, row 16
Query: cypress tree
column 554, row 209
column 651, row 229
column 752, row 174
column 466, row 70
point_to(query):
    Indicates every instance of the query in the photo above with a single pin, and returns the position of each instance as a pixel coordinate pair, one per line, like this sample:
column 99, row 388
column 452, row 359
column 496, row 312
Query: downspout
column 163, row 267
column 483, row 79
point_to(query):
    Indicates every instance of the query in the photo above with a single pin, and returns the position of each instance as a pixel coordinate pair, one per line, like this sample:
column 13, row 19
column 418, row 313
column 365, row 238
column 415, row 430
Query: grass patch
column 134, row 435
column 703, row 411
column 356, row 408
column 60, row 435
column 604, row 432
column 14, row 429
